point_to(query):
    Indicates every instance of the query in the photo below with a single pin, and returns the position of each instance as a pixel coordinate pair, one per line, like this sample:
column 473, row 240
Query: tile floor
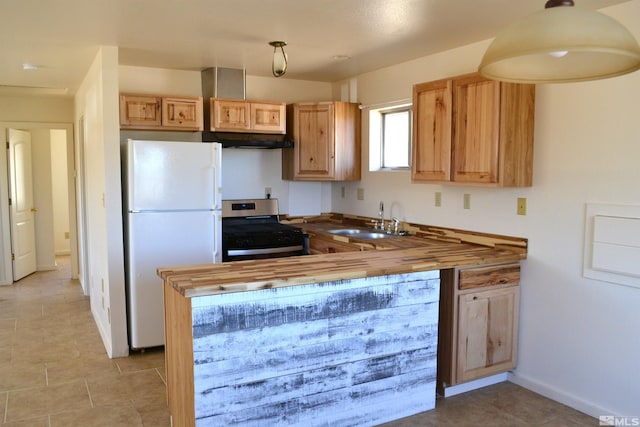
column 54, row 372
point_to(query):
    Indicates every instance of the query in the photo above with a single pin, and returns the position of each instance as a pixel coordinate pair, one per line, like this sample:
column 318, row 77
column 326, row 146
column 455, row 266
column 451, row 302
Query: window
column 390, row 138
column 396, row 138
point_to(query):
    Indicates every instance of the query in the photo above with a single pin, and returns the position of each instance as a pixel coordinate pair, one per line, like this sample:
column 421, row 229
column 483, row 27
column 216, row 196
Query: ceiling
column 61, row 37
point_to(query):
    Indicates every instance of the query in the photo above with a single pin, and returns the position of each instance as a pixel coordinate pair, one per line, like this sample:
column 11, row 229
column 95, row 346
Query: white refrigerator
column 173, row 217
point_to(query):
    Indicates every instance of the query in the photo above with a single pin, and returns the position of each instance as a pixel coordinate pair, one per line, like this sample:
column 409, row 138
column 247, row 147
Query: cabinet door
column 230, row 115
column 139, row 111
column 431, row 148
column 476, row 115
column 269, row 118
column 314, row 143
column 487, row 331
column 182, row 113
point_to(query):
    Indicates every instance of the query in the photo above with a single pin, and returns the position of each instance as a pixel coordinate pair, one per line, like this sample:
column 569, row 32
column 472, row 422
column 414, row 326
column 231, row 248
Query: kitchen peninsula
column 332, row 339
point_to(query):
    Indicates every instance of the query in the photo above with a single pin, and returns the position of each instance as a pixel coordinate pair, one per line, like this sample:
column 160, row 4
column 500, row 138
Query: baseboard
column 475, row 384
column 105, row 337
column 560, row 396
column 49, row 267
column 62, row 253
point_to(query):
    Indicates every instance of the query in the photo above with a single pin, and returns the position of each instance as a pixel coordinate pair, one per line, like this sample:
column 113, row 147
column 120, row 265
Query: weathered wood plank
column 280, row 389
column 278, row 306
column 239, row 343
column 343, row 353
column 256, row 367
column 364, row 405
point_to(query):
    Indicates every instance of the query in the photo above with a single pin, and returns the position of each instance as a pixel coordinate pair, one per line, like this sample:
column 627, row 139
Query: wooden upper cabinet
column 149, row 112
column 182, row 113
column 476, row 120
column 232, row 115
column 431, row 148
column 269, row 117
column 140, row 111
column 472, row 130
column 326, row 139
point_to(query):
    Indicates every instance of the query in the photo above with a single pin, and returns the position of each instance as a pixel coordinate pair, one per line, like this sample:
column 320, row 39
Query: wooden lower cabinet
column 478, row 323
column 487, row 329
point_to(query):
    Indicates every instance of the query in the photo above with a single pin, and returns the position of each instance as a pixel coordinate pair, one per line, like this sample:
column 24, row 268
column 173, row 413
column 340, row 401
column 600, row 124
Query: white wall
column 60, row 192
column 97, row 106
column 245, row 172
column 579, row 340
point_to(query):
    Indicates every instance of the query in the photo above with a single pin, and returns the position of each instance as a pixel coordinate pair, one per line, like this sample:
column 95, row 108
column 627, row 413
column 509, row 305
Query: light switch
column 360, row 193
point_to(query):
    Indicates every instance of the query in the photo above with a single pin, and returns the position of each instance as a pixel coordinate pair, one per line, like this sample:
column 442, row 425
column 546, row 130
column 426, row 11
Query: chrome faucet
column 381, row 215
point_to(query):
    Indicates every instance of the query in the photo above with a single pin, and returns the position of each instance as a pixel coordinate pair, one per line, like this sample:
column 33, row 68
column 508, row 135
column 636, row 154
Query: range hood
column 248, row 140
column 230, row 83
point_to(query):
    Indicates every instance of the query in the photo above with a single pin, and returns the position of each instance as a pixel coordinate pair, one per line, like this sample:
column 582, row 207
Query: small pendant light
column 279, row 63
column 561, row 43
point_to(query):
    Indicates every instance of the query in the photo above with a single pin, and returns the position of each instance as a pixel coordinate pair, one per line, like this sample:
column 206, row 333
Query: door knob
column 34, row 209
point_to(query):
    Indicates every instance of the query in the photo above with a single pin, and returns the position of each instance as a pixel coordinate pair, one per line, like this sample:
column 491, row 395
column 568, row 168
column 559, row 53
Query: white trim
column 475, row 384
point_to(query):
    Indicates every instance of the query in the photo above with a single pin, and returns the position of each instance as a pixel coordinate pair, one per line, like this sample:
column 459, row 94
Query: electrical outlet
column 360, row 193
column 267, row 192
column 438, row 199
column 522, row 206
column 467, row 201
column 342, row 191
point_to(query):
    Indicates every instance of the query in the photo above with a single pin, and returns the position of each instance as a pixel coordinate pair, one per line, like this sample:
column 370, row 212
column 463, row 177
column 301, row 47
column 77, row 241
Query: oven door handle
column 240, row 252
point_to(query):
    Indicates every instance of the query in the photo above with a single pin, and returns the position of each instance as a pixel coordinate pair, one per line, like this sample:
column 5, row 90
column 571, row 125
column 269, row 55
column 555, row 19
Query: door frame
column 6, row 276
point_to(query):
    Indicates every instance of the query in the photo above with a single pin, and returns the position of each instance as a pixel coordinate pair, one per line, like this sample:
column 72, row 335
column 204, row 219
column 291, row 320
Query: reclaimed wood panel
column 341, row 353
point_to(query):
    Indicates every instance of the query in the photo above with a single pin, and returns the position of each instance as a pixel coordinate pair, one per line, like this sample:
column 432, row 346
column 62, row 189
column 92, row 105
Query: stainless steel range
column 251, row 230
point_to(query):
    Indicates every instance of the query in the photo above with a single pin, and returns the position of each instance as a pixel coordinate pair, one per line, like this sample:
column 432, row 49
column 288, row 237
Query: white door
column 22, row 211
column 162, row 239
column 173, row 176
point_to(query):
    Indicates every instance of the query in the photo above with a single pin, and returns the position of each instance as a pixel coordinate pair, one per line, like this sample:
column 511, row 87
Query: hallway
column 54, row 370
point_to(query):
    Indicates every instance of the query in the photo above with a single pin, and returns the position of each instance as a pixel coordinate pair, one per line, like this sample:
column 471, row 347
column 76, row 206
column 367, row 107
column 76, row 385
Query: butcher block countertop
column 428, row 248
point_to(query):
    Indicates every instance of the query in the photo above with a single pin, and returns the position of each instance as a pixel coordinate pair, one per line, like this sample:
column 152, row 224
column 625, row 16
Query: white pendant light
column 561, row 43
column 279, row 63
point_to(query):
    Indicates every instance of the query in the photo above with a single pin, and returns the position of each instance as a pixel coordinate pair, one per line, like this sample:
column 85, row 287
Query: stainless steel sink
column 359, row 233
